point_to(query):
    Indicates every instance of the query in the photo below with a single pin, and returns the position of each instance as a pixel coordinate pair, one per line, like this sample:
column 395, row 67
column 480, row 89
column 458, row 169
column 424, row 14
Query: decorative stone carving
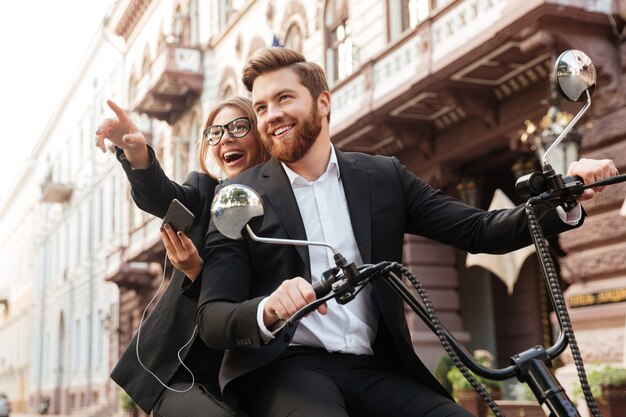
column 481, row 105
column 587, row 264
column 602, row 345
column 295, row 12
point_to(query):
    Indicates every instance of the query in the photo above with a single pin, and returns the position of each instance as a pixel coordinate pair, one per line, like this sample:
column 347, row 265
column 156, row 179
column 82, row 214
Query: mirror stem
column 288, row 241
column 567, row 129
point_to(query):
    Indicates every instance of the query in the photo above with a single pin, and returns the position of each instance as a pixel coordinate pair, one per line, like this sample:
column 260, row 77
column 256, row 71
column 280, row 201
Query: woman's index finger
column 119, row 112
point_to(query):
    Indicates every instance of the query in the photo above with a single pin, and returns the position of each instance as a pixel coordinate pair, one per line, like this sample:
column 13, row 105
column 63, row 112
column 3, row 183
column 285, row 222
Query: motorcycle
column 235, row 205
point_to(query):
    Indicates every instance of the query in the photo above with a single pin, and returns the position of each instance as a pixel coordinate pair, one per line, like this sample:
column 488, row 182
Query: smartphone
column 178, row 217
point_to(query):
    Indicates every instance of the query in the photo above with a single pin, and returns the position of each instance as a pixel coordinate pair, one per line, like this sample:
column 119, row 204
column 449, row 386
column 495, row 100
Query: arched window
column 256, row 44
column 227, row 84
column 228, row 91
column 293, row 38
column 339, row 47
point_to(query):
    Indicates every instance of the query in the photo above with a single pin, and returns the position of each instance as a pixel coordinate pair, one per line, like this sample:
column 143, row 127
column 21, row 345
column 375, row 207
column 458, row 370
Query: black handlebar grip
column 325, row 286
column 322, row 289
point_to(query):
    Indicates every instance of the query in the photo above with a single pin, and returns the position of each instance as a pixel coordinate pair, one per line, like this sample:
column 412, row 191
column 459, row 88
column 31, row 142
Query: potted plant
column 608, row 386
column 444, row 365
column 521, row 403
column 128, row 405
column 463, row 392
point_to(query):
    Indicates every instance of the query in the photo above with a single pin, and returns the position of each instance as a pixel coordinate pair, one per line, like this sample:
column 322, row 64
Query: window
column 293, row 38
column 415, row 11
column 339, row 47
column 180, row 155
column 180, row 27
column 407, row 14
column 132, row 88
column 194, row 32
column 98, row 217
column 146, row 63
column 99, row 339
column 227, row 92
column 229, row 9
column 114, row 212
column 77, row 345
column 194, row 136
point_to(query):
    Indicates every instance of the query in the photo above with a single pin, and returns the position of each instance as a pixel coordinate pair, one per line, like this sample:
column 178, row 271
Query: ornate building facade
column 450, row 87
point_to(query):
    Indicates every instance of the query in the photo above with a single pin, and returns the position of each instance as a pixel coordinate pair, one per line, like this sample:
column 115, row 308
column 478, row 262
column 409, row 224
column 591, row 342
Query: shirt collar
column 332, row 171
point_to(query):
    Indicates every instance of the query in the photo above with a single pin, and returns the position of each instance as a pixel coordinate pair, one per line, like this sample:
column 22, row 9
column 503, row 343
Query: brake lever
column 309, row 308
column 607, row 181
column 340, row 289
column 312, row 306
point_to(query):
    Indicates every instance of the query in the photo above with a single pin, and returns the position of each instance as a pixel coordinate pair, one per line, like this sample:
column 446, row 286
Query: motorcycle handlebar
column 334, row 285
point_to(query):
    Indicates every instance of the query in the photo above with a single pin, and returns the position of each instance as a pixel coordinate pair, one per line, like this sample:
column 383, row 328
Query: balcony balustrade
column 55, row 192
column 173, row 82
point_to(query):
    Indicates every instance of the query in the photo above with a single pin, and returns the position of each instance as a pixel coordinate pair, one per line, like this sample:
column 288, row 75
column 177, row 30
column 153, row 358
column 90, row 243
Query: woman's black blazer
column 171, row 323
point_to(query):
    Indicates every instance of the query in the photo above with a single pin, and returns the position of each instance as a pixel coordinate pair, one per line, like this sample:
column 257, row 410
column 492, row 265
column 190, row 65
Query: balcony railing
column 453, row 65
column 55, row 192
column 172, row 83
column 134, row 275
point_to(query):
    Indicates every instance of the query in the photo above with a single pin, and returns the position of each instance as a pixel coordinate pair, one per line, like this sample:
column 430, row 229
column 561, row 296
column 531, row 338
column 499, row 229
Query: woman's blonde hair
column 240, row 103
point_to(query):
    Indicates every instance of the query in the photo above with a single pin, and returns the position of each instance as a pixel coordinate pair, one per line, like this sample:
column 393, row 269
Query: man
column 355, row 359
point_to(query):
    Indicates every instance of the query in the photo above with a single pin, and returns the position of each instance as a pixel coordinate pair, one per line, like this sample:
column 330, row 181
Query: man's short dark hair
column 310, row 74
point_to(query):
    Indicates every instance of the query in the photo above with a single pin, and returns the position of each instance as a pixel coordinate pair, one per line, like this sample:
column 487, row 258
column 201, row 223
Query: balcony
column 172, row 83
column 468, row 62
column 55, row 192
column 134, row 275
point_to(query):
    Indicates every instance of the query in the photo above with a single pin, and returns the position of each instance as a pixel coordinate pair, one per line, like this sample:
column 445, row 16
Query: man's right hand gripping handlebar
column 296, row 298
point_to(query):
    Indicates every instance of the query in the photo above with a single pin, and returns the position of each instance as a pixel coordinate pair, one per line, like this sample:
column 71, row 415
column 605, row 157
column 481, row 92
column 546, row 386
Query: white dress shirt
column 348, row 328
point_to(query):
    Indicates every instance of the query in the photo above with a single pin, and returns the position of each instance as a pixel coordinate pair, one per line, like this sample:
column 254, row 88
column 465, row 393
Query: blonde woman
column 162, row 385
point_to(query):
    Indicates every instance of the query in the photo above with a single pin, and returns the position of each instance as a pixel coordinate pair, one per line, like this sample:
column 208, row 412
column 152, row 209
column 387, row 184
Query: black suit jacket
column 170, row 325
column 385, row 201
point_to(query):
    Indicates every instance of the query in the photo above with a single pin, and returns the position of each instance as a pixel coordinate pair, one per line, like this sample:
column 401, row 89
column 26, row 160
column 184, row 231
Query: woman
column 232, row 138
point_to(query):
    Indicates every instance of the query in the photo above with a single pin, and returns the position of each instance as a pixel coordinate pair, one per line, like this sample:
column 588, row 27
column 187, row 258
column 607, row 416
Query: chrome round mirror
column 233, row 207
column 574, row 74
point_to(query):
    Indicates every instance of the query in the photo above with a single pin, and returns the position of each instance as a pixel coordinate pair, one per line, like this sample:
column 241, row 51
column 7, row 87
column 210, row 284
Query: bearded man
column 343, row 360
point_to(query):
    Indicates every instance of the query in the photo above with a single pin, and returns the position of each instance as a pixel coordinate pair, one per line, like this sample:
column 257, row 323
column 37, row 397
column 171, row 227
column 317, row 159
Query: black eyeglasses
column 237, row 128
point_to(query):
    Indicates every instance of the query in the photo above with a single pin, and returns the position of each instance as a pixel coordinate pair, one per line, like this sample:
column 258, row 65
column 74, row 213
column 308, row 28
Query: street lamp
column 552, row 125
column 469, row 191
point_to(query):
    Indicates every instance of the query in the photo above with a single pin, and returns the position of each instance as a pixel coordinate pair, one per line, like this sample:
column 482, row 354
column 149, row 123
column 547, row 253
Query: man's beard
column 293, row 149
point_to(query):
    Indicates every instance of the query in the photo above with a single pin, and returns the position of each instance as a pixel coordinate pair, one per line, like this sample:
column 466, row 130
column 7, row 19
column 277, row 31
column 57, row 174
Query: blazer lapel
column 277, row 189
column 355, row 180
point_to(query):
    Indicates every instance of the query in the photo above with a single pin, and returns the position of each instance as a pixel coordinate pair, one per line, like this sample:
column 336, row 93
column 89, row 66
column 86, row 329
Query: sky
column 42, row 43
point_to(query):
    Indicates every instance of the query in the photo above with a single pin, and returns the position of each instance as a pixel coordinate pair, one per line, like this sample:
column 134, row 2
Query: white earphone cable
column 193, row 380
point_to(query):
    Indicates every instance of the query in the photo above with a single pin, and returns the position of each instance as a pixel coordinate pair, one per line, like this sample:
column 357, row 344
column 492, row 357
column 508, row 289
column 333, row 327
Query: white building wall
column 72, row 247
column 18, row 220
column 72, row 293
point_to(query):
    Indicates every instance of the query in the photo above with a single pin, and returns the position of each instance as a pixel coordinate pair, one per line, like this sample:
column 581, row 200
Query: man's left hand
column 592, row 170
